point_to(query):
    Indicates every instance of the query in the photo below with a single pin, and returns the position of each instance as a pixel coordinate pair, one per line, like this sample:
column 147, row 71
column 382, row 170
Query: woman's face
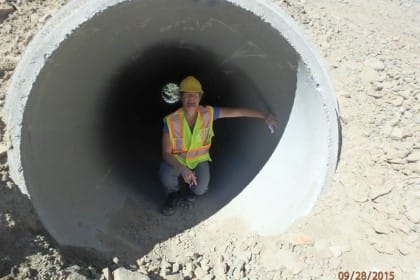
column 190, row 100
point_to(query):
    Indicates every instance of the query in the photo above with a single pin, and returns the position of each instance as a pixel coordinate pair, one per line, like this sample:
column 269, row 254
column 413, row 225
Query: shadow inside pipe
column 131, row 134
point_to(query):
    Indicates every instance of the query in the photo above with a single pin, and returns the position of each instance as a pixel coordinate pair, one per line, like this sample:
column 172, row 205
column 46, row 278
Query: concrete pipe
column 84, row 116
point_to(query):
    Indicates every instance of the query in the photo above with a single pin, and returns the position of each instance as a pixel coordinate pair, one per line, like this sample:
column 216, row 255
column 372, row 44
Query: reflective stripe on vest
column 192, row 154
column 175, row 126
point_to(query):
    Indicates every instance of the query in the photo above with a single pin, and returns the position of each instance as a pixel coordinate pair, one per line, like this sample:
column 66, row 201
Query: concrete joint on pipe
column 84, row 118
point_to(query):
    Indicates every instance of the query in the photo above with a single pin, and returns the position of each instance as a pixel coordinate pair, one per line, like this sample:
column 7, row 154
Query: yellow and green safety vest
column 191, row 147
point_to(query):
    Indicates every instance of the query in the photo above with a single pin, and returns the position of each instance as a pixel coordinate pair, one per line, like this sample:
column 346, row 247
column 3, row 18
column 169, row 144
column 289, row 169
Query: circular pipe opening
column 85, row 119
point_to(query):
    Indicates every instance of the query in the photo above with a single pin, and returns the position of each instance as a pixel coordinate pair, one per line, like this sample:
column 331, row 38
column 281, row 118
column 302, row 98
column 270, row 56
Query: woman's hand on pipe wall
column 271, row 121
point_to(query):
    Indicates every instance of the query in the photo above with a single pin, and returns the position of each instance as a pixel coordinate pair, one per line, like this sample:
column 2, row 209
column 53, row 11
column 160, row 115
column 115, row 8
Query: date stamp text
column 366, row 275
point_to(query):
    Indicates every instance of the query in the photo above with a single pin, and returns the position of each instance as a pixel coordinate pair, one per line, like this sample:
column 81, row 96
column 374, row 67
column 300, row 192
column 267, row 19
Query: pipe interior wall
column 92, row 124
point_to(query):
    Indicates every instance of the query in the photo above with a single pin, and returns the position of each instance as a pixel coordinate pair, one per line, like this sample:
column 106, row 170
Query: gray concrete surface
column 84, row 117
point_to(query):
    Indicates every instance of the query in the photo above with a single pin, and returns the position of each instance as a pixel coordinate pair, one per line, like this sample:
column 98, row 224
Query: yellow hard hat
column 190, row 84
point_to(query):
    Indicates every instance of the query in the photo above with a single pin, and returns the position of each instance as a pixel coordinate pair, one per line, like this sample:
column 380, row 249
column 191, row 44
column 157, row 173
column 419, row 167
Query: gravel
column 369, row 218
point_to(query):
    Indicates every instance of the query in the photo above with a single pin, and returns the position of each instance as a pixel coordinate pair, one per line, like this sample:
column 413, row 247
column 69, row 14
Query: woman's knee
column 200, row 189
column 168, row 178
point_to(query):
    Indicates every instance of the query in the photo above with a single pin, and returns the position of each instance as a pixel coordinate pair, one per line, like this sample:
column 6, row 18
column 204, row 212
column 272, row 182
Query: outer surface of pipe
column 60, row 102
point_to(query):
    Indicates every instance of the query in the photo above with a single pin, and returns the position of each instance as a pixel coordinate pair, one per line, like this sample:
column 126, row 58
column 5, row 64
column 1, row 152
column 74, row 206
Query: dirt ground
column 368, row 221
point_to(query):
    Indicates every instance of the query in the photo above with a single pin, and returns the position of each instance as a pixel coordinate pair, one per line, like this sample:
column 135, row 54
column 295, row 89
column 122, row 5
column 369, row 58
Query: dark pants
column 169, row 178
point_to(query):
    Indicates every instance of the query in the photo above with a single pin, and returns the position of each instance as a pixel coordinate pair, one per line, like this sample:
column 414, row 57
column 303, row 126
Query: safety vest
column 191, row 147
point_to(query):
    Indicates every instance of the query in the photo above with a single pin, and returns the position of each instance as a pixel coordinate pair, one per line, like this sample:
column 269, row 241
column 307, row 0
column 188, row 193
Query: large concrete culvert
column 84, row 116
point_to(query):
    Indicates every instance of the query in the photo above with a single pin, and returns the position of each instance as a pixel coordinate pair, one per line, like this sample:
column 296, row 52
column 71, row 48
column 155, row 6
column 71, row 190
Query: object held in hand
column 271, row 128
